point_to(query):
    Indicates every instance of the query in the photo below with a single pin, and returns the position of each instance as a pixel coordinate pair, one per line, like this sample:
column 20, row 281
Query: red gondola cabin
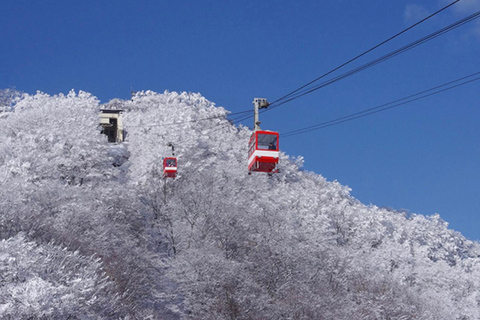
column 170, row 167
column 263, row 152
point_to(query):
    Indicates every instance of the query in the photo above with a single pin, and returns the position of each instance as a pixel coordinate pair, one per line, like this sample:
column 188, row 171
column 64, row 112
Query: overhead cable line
column 303, row 90
column 393, row 104
column 195, row 120
column 370, row 64
column 365, row 52
column 208, row 118
column 240, row 119
column 381, row 59
column 278, row 102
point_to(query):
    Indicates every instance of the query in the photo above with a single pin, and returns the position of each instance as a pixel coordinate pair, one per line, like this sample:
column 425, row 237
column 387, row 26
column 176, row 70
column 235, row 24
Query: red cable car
column 170, row 167
column 263, row 152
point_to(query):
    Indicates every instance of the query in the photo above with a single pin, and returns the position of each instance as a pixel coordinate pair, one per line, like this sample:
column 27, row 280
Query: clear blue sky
column 423, row 157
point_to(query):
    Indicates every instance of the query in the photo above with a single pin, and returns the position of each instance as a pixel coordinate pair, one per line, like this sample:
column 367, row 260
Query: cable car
column 263, row 152
column 170, row 167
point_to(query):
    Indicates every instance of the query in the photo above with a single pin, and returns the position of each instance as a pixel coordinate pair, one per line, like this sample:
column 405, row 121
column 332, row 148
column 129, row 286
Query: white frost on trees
column 214, row 243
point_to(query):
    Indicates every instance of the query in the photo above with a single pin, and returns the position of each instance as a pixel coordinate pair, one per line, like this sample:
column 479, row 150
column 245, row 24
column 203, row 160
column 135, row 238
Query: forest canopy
column 91, row 230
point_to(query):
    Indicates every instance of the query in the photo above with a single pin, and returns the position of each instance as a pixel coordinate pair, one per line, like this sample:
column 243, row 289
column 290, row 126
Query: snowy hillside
column 90, row 230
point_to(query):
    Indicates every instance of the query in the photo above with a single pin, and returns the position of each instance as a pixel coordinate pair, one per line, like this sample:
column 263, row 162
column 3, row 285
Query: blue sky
column 422, row 157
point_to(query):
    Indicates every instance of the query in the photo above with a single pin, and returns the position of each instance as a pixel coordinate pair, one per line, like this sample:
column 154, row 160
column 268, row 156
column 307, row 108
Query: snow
column 91, row 230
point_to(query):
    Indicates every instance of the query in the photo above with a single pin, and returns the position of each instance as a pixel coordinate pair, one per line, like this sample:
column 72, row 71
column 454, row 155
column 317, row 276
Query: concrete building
column 112, row 124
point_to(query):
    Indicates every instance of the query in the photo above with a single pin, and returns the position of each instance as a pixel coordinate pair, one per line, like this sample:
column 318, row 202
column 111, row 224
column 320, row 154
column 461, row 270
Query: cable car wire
column 389, row 105
column 382, row 58
column 277, row 103
column 299, row 92
column 369, row 64
column 306, row 91
column 370, row 111
column 365, row 52
column 194, row 120
column 209, row 118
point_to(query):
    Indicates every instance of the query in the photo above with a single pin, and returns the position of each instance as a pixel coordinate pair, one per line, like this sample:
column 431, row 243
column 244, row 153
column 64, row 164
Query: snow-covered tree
column 50, row 282
column 53, row 138
column 8, row 99
column 288, row 246
column 214, row 243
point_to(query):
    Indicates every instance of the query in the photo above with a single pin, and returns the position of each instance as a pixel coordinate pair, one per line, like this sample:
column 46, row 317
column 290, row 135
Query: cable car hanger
column 170, row 164
column 263, row 150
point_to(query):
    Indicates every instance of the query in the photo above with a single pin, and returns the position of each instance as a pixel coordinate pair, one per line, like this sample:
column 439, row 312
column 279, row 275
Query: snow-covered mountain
column 86, row 239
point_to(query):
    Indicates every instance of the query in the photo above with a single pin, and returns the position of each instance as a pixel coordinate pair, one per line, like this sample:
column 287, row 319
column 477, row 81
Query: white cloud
column 463, row 7
column 476, row 30
column 413, row 13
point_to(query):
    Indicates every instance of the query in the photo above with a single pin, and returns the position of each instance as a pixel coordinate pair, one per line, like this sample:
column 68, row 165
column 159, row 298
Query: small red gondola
column 263, row 152
column 170, row 167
